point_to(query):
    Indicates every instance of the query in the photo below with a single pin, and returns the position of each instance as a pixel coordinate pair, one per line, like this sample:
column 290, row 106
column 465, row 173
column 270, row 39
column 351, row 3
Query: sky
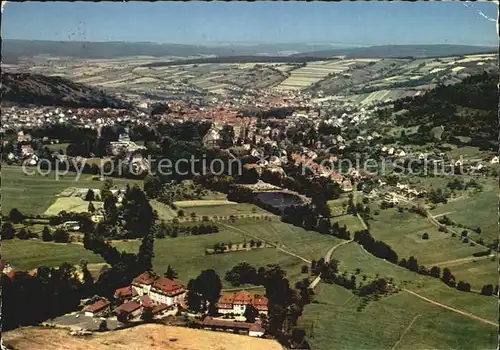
column 344, row 23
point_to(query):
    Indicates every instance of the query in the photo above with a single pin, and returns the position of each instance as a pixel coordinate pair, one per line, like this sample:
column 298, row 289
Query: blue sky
column 348, row 23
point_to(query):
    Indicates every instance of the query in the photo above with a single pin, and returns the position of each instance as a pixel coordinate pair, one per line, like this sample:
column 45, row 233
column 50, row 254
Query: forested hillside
column 469, row 108
column 41, row 90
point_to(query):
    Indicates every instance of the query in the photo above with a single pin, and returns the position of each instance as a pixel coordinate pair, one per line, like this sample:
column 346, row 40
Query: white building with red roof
column 237, row 303
column 159, row 289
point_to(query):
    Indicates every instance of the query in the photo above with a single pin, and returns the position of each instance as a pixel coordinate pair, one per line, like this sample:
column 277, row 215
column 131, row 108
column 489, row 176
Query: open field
column 477, row 210
column 145, row 336
column 202, row 203
column 352, row 256
column 477, row 272
column 186, row 254
column 73, row 204
column 313, row 72
column 31, row 254
column 213, row 208
column 34, row 194
column 385, row 324
column 403, row 232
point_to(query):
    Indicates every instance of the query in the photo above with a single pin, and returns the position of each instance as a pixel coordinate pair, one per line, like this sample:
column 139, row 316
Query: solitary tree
column 171, row 273
column 90, row 196
column 23, row 234
column 251, row 313
column 16, row 216
column 487, row 289
column 8, row 231
column 46, row 236
column 61, row 235
column 91, row 208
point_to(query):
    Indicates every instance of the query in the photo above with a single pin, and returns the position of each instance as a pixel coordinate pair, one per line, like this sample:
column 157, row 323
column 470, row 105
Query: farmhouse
column 236, row 304
column 99, row 308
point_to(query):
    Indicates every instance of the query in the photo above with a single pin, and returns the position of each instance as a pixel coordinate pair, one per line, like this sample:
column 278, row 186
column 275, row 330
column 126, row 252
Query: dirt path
column 464, row 313
column 406, row 330
column 462, row 260
column 327, row 258
column 272, row 244
column 236, row 289
column 443, row 214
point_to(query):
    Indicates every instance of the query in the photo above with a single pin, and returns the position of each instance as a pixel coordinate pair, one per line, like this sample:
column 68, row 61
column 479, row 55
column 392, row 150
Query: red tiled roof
column 147, row 278
column 146, row 301
column 124, row 292
column 243, row 297
column 159, row 308
column 226, row 301
column 129, row 307
column 260, row 302
column 97, row 306
column 167, row 286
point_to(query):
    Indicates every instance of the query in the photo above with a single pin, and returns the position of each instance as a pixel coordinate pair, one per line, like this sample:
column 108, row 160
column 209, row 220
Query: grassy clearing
column 225, row 208
column 187, row 255
column 31, row 254
column 34, row 194
column 382, row 323
column 351, row 256
column 478, row 210
column 309, row 245
column 73, row 204
column 202, row 203
column 163, row 210
column 403, row 232
column 477, row 272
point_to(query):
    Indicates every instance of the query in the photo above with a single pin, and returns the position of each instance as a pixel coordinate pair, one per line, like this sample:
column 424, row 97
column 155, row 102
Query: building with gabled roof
column 236, row 303
column 159, row 289
column 99, row 308
column 128, row 310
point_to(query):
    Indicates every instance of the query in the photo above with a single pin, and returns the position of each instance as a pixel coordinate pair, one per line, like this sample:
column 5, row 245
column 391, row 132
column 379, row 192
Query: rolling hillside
column 41, row 90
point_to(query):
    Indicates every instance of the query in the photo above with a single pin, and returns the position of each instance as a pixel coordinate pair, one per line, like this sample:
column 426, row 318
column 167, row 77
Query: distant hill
column 41, row 90
column 236, row 59
column 12, row 50
column 401, row 51
column 468, row 108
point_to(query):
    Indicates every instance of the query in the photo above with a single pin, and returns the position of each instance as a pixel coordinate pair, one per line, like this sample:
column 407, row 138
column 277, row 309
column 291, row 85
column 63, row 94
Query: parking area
column 78, row 320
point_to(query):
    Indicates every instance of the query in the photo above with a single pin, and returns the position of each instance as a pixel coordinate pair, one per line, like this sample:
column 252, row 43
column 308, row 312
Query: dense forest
column 469, row 108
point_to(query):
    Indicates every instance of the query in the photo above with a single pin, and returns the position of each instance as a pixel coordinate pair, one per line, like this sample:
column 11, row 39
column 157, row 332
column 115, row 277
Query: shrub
column 425, row 236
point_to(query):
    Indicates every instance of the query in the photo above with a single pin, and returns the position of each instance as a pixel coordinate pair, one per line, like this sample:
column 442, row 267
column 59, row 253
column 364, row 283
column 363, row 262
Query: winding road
column 327, row 258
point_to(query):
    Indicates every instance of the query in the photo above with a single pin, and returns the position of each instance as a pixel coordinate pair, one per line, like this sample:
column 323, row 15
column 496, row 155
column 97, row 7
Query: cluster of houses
column 147, row 291
column 163, row 296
